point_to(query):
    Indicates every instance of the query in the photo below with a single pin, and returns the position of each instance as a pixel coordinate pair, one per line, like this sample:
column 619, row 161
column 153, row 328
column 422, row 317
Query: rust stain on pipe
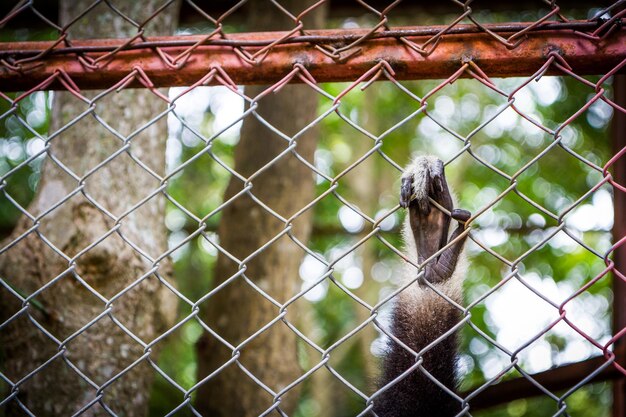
column 584, row 55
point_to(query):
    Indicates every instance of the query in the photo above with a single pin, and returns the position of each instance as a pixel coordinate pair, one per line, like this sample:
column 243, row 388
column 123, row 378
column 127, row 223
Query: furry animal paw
column 424, row 178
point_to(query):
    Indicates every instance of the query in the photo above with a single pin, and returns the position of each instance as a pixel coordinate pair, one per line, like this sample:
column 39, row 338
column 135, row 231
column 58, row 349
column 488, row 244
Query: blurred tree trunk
column 102, row 350
column 368, row 186
column 365, row 184
column 237, row 311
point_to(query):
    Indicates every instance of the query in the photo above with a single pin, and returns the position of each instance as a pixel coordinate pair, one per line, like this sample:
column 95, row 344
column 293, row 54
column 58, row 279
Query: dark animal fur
column 416, row 395
column 421, row 315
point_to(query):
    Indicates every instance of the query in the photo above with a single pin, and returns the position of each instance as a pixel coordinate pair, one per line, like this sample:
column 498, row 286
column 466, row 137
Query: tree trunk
column 366, row 186
column 238, row 310
column 66, row 320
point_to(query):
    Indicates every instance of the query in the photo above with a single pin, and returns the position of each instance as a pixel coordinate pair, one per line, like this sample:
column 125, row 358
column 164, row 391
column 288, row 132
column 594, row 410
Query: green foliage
column 23, row 129
column 511, row 227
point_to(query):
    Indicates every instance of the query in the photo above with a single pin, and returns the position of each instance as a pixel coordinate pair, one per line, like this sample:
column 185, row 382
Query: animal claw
column 406, row 191
column 460, row 215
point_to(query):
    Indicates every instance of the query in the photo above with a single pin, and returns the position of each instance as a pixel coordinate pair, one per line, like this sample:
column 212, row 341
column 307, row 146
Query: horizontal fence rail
column 262, row 58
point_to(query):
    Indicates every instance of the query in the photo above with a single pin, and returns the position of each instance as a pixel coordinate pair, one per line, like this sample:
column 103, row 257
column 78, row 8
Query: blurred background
column 508, row 228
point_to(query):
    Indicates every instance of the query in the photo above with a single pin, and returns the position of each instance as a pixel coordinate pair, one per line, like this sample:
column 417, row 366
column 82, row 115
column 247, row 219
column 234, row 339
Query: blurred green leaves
column 509, row 226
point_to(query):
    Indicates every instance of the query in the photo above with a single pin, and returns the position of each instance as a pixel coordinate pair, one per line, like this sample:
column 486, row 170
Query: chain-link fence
column 224, row 250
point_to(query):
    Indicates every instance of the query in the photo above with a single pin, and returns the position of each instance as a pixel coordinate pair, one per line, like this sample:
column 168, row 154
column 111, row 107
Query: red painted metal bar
column 584, row 55
column 619, row 231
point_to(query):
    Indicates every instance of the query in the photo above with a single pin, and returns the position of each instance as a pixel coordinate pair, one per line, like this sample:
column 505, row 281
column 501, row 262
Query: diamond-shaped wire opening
column 518, row 187
column 81, row 18
column 110, row 109
column 370, row 113
column 27, row 322
column 216, row 17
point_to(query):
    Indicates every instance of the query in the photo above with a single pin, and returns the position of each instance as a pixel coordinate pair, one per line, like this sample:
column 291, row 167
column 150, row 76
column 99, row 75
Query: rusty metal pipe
column 584, row 55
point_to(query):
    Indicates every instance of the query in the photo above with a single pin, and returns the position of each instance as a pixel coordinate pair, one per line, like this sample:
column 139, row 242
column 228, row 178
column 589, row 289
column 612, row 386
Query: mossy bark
column 65, row 321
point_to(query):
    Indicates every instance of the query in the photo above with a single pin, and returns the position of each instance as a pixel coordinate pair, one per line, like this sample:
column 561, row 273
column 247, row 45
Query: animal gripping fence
column 91, row 306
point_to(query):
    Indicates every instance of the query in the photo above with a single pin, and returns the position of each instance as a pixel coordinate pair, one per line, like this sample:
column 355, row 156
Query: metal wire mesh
column 253, row 51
